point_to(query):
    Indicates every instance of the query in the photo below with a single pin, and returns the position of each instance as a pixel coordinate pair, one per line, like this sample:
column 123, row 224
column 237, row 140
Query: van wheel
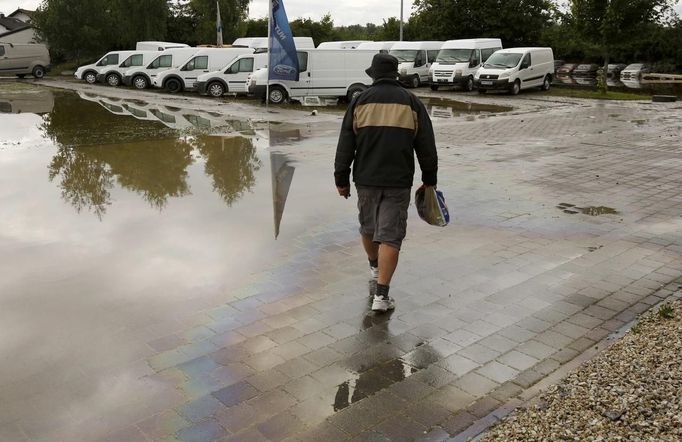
column 140, row 82
column 516, row 88
column 21, row 75
column 434, row 87
column 469, row 85
column 547, row 83
column 216, row 89
column 90, row 78
column 113, row 80
column 354, row 92
column 39, row 72
column 415, row 81
column 277, row 95
column 173, row 86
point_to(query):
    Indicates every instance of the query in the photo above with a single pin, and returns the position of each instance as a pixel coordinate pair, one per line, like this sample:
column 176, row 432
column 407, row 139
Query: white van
column 346, row 44
column 113, row 74
column 204, row 61
column 382, row 46
column 261, row 43
column 516, row 69
column 24, row 59
column 415, row 58
column 337, row 73
column 89, row 72
column 232, row 78
column 459, row 60
column 141, row 77
column 158, row 45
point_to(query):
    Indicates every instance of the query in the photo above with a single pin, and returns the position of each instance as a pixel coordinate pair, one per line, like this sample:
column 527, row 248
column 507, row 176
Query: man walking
column 383, row 129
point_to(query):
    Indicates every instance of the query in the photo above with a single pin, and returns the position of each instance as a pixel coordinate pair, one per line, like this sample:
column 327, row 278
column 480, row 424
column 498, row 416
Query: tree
column 204, row 13
column 609, row 24
column 77, row 29
column 140, row 20
column 319, row 31
column 181, row 23
column 516, row 22
column 255, row 28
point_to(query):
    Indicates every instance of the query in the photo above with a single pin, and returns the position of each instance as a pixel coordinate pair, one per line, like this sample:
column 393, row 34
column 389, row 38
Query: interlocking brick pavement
column 532, row 271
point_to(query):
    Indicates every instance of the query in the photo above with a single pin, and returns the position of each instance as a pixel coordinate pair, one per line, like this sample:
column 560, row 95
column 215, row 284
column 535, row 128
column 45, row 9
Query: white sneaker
column 382, row 304
column 374, row 272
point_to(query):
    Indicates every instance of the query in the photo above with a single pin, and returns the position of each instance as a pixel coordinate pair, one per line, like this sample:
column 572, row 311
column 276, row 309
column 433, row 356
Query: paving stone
column 536, row 349
column 497, row 372
column 279, row 427
column 401, row 428
column 479, row 353
column 506, row 391
column 459, row 422
column 235, row 394
column 427, row 413
column 546, row 367
column 519, row 361
column 528, row 378
column 452, row 398
column 565, row 355
column 483, row 406
column 475, row 384
column 498, row 343
column 458, row 364
column 202, row 431
column 581, row 344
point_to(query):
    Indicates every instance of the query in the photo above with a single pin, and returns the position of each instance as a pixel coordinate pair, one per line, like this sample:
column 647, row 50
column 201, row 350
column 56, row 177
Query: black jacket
column 382, row 130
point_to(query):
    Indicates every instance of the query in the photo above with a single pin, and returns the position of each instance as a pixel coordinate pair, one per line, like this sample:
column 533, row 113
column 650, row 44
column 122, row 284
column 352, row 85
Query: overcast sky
column 344, row 12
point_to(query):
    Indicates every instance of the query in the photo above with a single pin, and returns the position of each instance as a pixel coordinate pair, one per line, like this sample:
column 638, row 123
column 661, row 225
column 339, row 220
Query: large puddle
column 121, row 217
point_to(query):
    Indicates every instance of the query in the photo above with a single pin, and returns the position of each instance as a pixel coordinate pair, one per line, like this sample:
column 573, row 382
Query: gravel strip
column 631, row 392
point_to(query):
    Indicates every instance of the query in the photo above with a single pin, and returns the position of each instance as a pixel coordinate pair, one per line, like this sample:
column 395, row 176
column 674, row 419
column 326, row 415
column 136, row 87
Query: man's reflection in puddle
column 383, row 374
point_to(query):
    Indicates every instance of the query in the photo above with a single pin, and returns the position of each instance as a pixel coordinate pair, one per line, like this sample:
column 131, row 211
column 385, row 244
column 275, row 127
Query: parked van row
column 325, row 71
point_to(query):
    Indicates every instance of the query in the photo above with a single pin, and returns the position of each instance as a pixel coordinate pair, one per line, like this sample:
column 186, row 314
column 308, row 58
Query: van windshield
column 503, row 60
column 405, row 55
column 454, row 55
column 162, row 61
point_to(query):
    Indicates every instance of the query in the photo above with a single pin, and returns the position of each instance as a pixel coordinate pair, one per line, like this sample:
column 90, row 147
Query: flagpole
column 267, row 84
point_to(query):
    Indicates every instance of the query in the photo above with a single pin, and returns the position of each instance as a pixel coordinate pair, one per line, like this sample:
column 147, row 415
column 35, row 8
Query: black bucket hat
column 383, row 66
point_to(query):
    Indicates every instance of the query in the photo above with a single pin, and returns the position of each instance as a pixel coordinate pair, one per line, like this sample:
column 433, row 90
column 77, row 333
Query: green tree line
column 582, row 30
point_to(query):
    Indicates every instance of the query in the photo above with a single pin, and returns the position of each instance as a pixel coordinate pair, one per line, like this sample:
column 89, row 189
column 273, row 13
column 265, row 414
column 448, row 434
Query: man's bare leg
column 388, row 262
column 371, row 247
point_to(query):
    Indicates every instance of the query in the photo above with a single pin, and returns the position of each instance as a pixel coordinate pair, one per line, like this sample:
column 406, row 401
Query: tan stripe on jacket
column 384, row 115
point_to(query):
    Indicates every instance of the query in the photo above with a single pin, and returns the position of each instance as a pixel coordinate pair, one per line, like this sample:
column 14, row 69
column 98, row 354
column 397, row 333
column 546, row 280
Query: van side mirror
column 474, row 63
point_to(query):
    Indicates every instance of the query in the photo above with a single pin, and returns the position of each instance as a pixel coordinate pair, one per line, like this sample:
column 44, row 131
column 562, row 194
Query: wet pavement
column 178, row 273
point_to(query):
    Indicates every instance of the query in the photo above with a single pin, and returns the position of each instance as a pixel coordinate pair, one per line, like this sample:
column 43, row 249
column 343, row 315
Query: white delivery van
column 89, row 72
column 141, row 77
column 337, row 73
column 158, row 45
column 261, row 43
column 515, row 69
column 113, row 74
column 232, row 78
column 459, row 60
column 414, row 60
column 346, row 44
column 24, row 59
column 206, row 60
column 381, row 46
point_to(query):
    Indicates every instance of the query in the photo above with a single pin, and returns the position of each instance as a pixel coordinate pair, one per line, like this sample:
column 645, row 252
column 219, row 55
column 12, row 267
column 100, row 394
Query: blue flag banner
column 283, row 63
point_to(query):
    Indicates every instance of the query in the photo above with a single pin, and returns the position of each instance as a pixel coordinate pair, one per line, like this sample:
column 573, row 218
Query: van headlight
column 458, row 73
column 504, row 75
column 403, row 72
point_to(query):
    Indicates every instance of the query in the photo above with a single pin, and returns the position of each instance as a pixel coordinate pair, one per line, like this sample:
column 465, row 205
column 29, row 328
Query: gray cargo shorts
column 383, row 213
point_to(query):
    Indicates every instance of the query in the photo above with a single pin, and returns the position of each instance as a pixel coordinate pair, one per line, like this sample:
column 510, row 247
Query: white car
column 89, row 72
column 231, row 79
